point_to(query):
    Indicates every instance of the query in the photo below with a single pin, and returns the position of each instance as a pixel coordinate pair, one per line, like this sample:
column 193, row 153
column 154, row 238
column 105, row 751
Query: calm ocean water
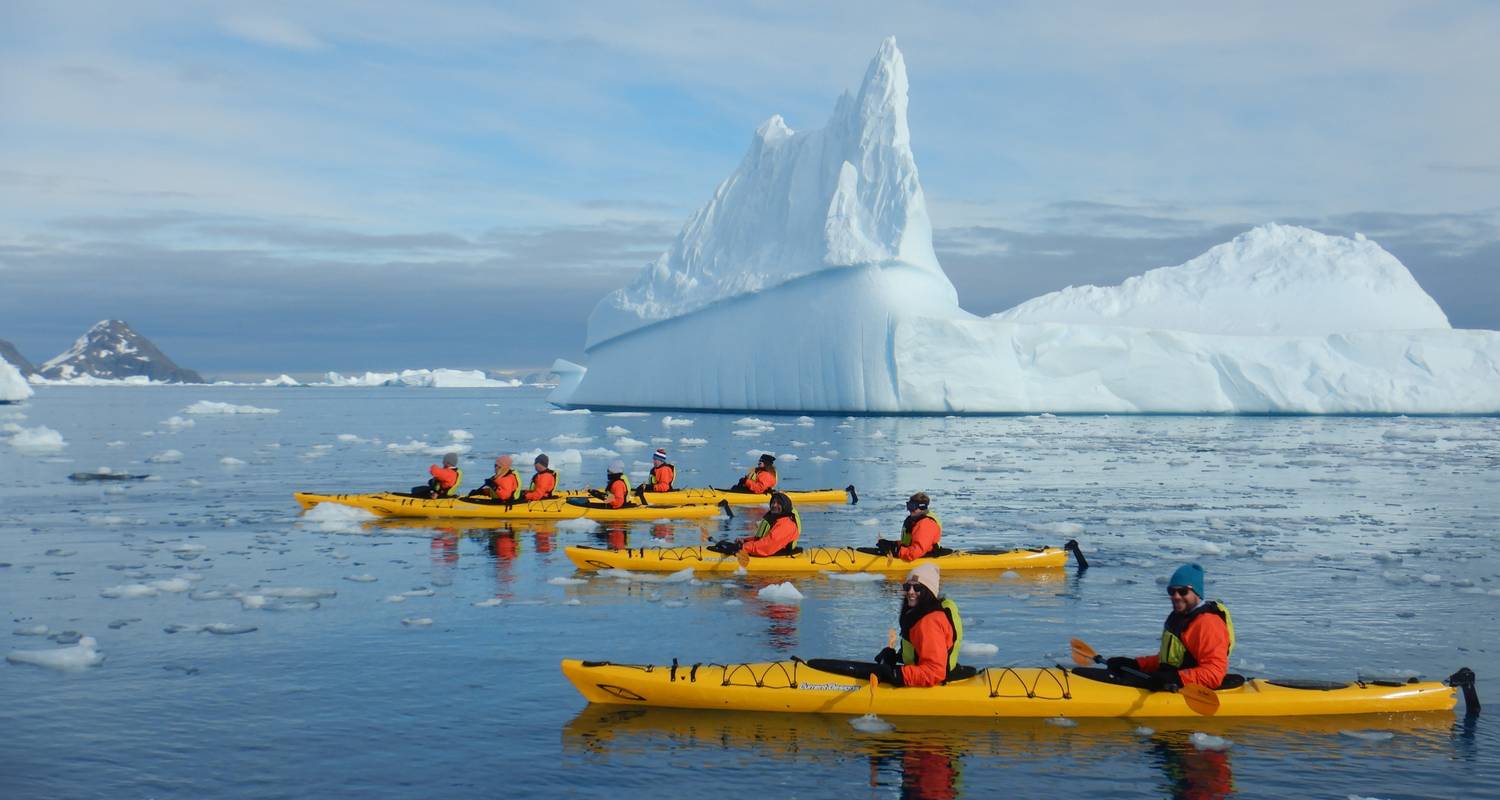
column 1343, row 546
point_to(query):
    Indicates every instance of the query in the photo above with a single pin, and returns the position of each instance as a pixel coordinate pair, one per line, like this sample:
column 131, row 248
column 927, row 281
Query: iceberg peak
column 800, row 202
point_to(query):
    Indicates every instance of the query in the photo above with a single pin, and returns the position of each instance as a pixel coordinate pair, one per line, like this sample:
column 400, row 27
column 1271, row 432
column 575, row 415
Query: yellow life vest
column 906, row 532
column 1173, row 652
column 452, row 491
column 909, row 653
column 764, row 529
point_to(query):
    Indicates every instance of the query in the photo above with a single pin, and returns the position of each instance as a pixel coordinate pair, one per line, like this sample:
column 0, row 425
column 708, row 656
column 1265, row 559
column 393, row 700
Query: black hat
column 542, row 459
column 767, row 458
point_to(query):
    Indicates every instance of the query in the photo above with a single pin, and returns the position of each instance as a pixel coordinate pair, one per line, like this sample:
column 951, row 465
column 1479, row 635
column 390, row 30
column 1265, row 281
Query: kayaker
column 662, row 474
column 445, row 479
column 542, row 483
column 616, row 491
column 920, row 532
column 776, row 534
column 505, row 484
column 931, row 634
column 1195, row 640
column 761, row 478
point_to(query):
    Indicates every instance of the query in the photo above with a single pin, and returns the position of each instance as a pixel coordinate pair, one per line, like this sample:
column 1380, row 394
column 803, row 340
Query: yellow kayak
column 390, row 504
column 811, row 559
column 797, row 687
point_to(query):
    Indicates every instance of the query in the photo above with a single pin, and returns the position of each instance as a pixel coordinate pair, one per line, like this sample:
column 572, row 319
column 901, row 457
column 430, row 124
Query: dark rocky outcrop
column 112, row 350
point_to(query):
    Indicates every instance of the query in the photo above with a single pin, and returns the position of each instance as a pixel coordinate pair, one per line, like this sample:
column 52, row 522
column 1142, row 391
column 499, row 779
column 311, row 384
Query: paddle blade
column 1083, row 655
column 1201, row 699
column 890, row 638
column 742, row 557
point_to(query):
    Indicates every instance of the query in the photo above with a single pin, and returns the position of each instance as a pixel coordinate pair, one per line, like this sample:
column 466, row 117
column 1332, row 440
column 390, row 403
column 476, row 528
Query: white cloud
column 272, row 32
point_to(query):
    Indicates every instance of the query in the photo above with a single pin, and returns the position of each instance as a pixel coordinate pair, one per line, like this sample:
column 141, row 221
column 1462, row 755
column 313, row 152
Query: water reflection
column 1191, row 773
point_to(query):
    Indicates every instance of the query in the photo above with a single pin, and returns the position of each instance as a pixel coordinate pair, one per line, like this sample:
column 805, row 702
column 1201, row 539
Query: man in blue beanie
column 1195, row 641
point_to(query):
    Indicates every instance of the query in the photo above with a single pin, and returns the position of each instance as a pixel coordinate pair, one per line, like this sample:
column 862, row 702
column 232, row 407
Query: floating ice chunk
column 1142, row 730
column 416, row 622
column 753, row 431
column 1206, row 741
column 129, row 590
column 571, row 438
column 80, row 656
column 780, row 593
column 349, row 438
column 855, row 577
column 733, row 601
column 627, row 443
column 298, row 593
column 411, row 446
column 689, row 441
column 579, row 524
column 1368, row 736
column 366, row 578
column 805, row 422
column 569, row 456
column 1062, row 722
column 561, row 580
column 214, row 407
column 820, row 459
column 489, row 602
column 395, row 598
column 231, row 461
column 420, row 591
column 963, row 520
column 40, row 440
column 600, row 452
column 870, row 521
column 173, row 585
column 676, row 422
column 460, row 435
column 978, row 649
column 32, row 630
column 752, row 422
column 1430, row 579
column 869, row 723
column 336, row 518
column 165, row 457
column 616, row 430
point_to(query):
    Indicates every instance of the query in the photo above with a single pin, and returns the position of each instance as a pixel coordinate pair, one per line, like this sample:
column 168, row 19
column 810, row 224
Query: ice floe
column 80, row 656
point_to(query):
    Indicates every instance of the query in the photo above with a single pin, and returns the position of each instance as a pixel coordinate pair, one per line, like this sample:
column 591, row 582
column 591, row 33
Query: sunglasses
column 909, row 587
column 1179, row 590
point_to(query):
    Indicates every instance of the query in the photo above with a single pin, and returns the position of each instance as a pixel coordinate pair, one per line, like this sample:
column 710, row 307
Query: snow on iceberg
column 427, row 378
column 204, row 407
column 13, row 387
column 827, row 232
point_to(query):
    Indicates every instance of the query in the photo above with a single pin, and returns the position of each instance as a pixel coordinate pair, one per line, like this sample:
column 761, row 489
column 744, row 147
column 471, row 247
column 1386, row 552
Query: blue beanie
column 1188, row 575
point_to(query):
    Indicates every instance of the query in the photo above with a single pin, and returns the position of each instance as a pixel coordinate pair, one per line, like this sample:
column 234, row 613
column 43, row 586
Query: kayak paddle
column 1200, row 699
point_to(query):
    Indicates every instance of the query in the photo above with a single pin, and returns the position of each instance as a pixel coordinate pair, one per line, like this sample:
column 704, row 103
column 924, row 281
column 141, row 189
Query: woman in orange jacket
column 504, row 485
column 776, row 534
column 616, row 492
column 931, row 634
column 761, row 479
column 920, row 532
column 1195, row 640
column 444, row 481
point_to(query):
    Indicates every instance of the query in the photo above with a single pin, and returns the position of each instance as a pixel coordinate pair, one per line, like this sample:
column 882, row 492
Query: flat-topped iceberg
column 13, row 387
column 429, row 378
column 808, row 283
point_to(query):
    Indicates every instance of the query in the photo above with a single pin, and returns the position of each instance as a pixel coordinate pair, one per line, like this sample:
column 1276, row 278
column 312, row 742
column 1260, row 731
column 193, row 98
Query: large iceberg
column 13, row 387
column 809, row 283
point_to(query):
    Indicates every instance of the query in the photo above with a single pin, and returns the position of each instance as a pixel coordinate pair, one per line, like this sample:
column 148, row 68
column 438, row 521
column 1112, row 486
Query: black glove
column 889, row 675
column 888, row 657
column 726, row 546
column 886, row 546
column 1119, row 664
column 596, row 494
column 1164, row 680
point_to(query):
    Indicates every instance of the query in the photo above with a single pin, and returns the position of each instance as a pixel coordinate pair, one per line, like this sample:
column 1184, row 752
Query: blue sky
column 265, row 187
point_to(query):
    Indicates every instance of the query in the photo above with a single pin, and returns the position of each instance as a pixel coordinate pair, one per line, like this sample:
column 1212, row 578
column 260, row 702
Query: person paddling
column 776, row 534
column 504, row 485
column 761, row 478
column 1195, row 640
column 616, row 491
column 920, row 532
column 543, row 483
column 445, row 479
column 931, row 634
column 662, row 474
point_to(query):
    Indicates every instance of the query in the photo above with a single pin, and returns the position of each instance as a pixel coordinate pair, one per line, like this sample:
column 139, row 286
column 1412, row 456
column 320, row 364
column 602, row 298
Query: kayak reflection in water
column 776, row 535
column 928, row 772
column 931, row 634
column 1194, row 774
column 920, row 532
column 1195, row 640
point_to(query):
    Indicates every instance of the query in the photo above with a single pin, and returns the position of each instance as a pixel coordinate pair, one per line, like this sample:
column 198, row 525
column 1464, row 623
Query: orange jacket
column 447, row 478
column 542, row 485
column 662, row 477
column 1207, row 640
column 618, row 493
column 932, row 638
column 762, row 481
column 783, row 532
column 924, row 536
column 507, row 484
